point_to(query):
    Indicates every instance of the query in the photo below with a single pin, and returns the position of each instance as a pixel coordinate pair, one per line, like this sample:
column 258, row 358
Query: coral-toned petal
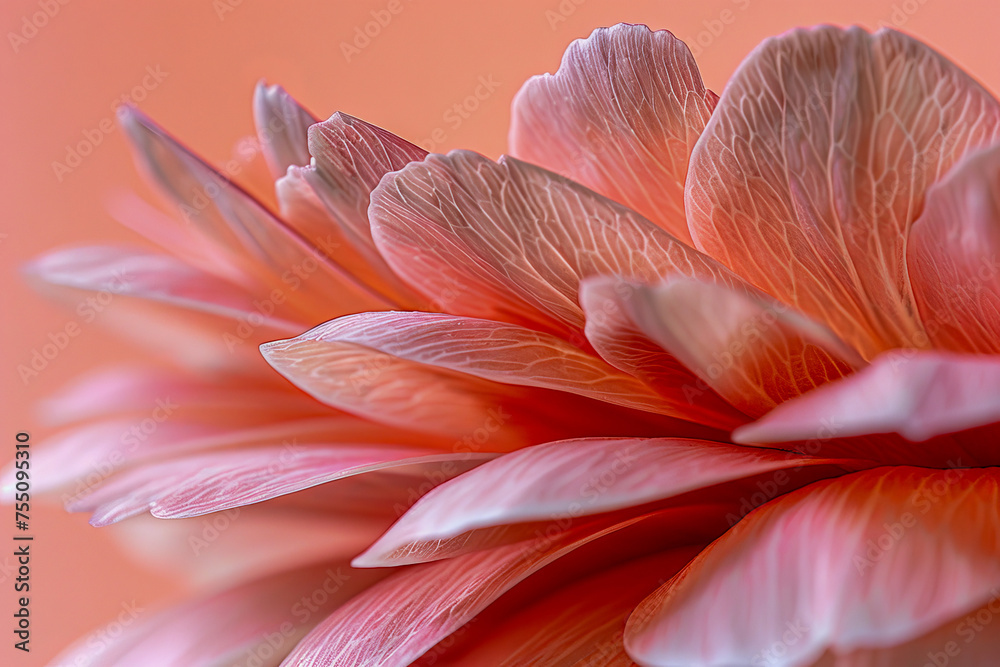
column 953, row 257
column 580, row 625
column 613, row 333
column 870, row 560
column 135, row 272
column 388, row 379
column 262, row 618
column 496, row 351
column 568, row 479
column 510, row 241
column 815, row 164
column 83, row 457
column 282, row 128
column 268, row 252
column 400, row 618
column 327, row 201
column 918, row 395
column 386, row 388
column 206, row 483
column 134, row 390
column 621, row 116
column 754, row 351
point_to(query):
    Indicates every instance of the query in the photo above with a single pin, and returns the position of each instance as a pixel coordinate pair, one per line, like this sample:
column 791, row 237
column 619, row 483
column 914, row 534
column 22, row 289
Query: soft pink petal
column 512, row 242
column 952, row 257
column 620, row 116
column 285, row 265
column 201, row 484
column 918, row 395
column 870, row 560
column 815, row 164
column 613, row 333
column 138, row 273
column 564, row 481
column 496, row 351
column 327, row 201
column 396, row 621
column 224, row 628
column 382, row 377
column 282, row 127
column 753, row 351
column 579, row 625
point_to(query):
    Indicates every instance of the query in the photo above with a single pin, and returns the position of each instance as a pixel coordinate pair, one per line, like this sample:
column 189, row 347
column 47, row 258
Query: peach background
column 64, row 79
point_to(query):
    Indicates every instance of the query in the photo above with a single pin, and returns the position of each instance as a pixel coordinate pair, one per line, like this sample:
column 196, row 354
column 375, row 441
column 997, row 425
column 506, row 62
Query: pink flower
column 691, row 380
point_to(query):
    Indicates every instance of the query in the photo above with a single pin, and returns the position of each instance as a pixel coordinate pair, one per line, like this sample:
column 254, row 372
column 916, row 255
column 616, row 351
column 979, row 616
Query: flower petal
column 495, row 351
column 580, row 625
column 200, row 484
column 952, row 257
column 815, row 164
column 754, row 351
column 267, row 251
column 612, row 332
column 918, row 395
column 510, row 241
column 135, row 272
column 880, row 557
column 282, row 127
column 224, row 627
column 564, row 481
column 399, row 619
column 620, row 116
column 328, row 200
column 416, row 384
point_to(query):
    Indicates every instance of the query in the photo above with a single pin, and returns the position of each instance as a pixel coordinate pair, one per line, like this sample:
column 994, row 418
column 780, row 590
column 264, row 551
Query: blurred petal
column 158, row 277
column 631, row 105
column 815, row 164
column 270, row 253
column 222, row 628
column 282, row 127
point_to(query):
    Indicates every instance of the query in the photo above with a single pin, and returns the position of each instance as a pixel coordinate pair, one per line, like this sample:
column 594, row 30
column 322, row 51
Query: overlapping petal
column 866, row 561
column 620, row 116
column 953, row 257
column 815, row 165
